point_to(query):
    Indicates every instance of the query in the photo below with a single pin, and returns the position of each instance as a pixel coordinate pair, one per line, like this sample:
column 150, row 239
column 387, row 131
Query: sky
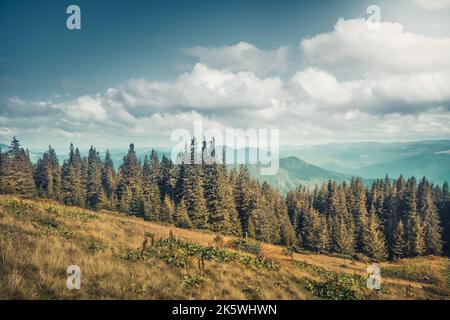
column 139, row 70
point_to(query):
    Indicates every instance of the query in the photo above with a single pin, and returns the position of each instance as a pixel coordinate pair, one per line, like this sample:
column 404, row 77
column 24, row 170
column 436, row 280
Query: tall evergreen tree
column 130, row 195
column 95, row 195
column 432, row 226
column 47, row 175
column 109, row 181
column 18, row 171
column 181, row 216
column 399, row 248
column 150, row 187
column 374, row 242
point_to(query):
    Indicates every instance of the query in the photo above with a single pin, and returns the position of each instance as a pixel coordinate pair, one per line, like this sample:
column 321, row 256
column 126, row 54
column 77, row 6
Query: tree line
column 389, row 220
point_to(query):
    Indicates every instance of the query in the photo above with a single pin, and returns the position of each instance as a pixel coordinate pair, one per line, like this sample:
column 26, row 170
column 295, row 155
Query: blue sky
column 132, row 48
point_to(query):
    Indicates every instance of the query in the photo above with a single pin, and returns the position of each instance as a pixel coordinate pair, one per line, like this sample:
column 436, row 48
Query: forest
column 391, row 219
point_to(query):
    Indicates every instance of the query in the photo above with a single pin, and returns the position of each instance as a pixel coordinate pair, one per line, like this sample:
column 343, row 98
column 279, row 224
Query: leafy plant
column 192, row 280
column 247, row 245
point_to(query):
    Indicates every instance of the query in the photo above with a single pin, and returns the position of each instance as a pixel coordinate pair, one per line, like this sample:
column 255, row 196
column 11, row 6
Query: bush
column 246, row 245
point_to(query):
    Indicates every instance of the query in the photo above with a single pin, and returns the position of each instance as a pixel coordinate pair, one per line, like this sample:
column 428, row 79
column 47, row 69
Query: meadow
column 40, row 239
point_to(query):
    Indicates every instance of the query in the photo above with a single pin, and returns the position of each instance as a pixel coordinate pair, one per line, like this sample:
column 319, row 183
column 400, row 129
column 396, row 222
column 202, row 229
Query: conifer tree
column 245, row 200
column 109, row 181
column 399, row 248
column 323, row 244
column 95, row 196
column 432, row 228
column 18, row 171
column 415, row 238
column 47, row 175
column 181, row 216
column 129, row 190
column 71, row 181
column 167, row 213
column 150, row 187
column 374, row 242
column 415, row 231
column 192, row 190
column 217, row 195
column 312, row 224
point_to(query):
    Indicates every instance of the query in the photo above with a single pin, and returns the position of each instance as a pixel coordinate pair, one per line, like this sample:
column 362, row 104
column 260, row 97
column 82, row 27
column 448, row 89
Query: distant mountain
column 436, row 167
column 4, row 146
column 294, row 172
column 375, row 160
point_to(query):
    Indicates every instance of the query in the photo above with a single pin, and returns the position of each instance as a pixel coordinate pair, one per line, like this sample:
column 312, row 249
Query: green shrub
column 247, row 245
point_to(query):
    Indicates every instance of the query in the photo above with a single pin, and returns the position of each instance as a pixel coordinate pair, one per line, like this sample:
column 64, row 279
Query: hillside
column 40, row 239
column 435, row 166
column 294, row 172
column 373, row 159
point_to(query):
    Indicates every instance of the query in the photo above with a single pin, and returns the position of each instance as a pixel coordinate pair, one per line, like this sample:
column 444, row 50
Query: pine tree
column 432, row 228
column 323, row 244
column 415, row 235
column 217, row 195
column 152, row 202
column 415, row 239
column 362, row 220
column 129, row 189
column 167, row 212
column 109, row 181
column 18, row 171
column 193, row 192
column 95, row 196
column 343, row 239
column 399, row 248
column 181, row 216
column 374, row 242
column 246, row 201
column 47, row 175
column 312, row 224
column 71, row 180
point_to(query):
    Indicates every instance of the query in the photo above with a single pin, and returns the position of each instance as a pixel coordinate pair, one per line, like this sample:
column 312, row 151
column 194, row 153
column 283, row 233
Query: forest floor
column 40, row 239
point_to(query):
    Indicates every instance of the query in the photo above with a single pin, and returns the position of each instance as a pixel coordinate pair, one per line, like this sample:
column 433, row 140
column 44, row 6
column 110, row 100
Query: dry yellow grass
column 40, row 239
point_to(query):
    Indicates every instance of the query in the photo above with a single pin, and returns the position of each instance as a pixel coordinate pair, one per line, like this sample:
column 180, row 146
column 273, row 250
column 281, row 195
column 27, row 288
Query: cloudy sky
column 137, row 71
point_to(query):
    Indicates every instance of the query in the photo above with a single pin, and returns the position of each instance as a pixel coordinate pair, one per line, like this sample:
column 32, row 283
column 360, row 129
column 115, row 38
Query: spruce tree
column 150, row 187
column 47, row 175
column 432, row 227
column 109, row 181
column 399, row 248
column 71, row 179
column 374, row 242
column 167, row 213
column 181, row 216
column 217, row 195
column 18, row 171
column 95, row 196
column 129, row 189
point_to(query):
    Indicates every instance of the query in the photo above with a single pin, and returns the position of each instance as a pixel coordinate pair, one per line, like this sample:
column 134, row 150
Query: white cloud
column 433, row 4
column 354, row 50
column 355, row 84
column 242, row 56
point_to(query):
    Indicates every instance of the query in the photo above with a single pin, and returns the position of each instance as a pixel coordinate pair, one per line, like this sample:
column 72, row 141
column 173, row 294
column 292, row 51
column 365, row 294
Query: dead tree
column 201, row 265
column 144, row 243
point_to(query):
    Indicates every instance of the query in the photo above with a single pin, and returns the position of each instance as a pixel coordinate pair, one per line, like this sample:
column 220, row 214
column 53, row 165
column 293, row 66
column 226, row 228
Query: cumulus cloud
column 353, row 49
column 433, row 4
column 242, row 56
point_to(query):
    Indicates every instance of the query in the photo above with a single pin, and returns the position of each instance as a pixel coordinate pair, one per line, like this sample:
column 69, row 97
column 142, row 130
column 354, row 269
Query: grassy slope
column 39, row 239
